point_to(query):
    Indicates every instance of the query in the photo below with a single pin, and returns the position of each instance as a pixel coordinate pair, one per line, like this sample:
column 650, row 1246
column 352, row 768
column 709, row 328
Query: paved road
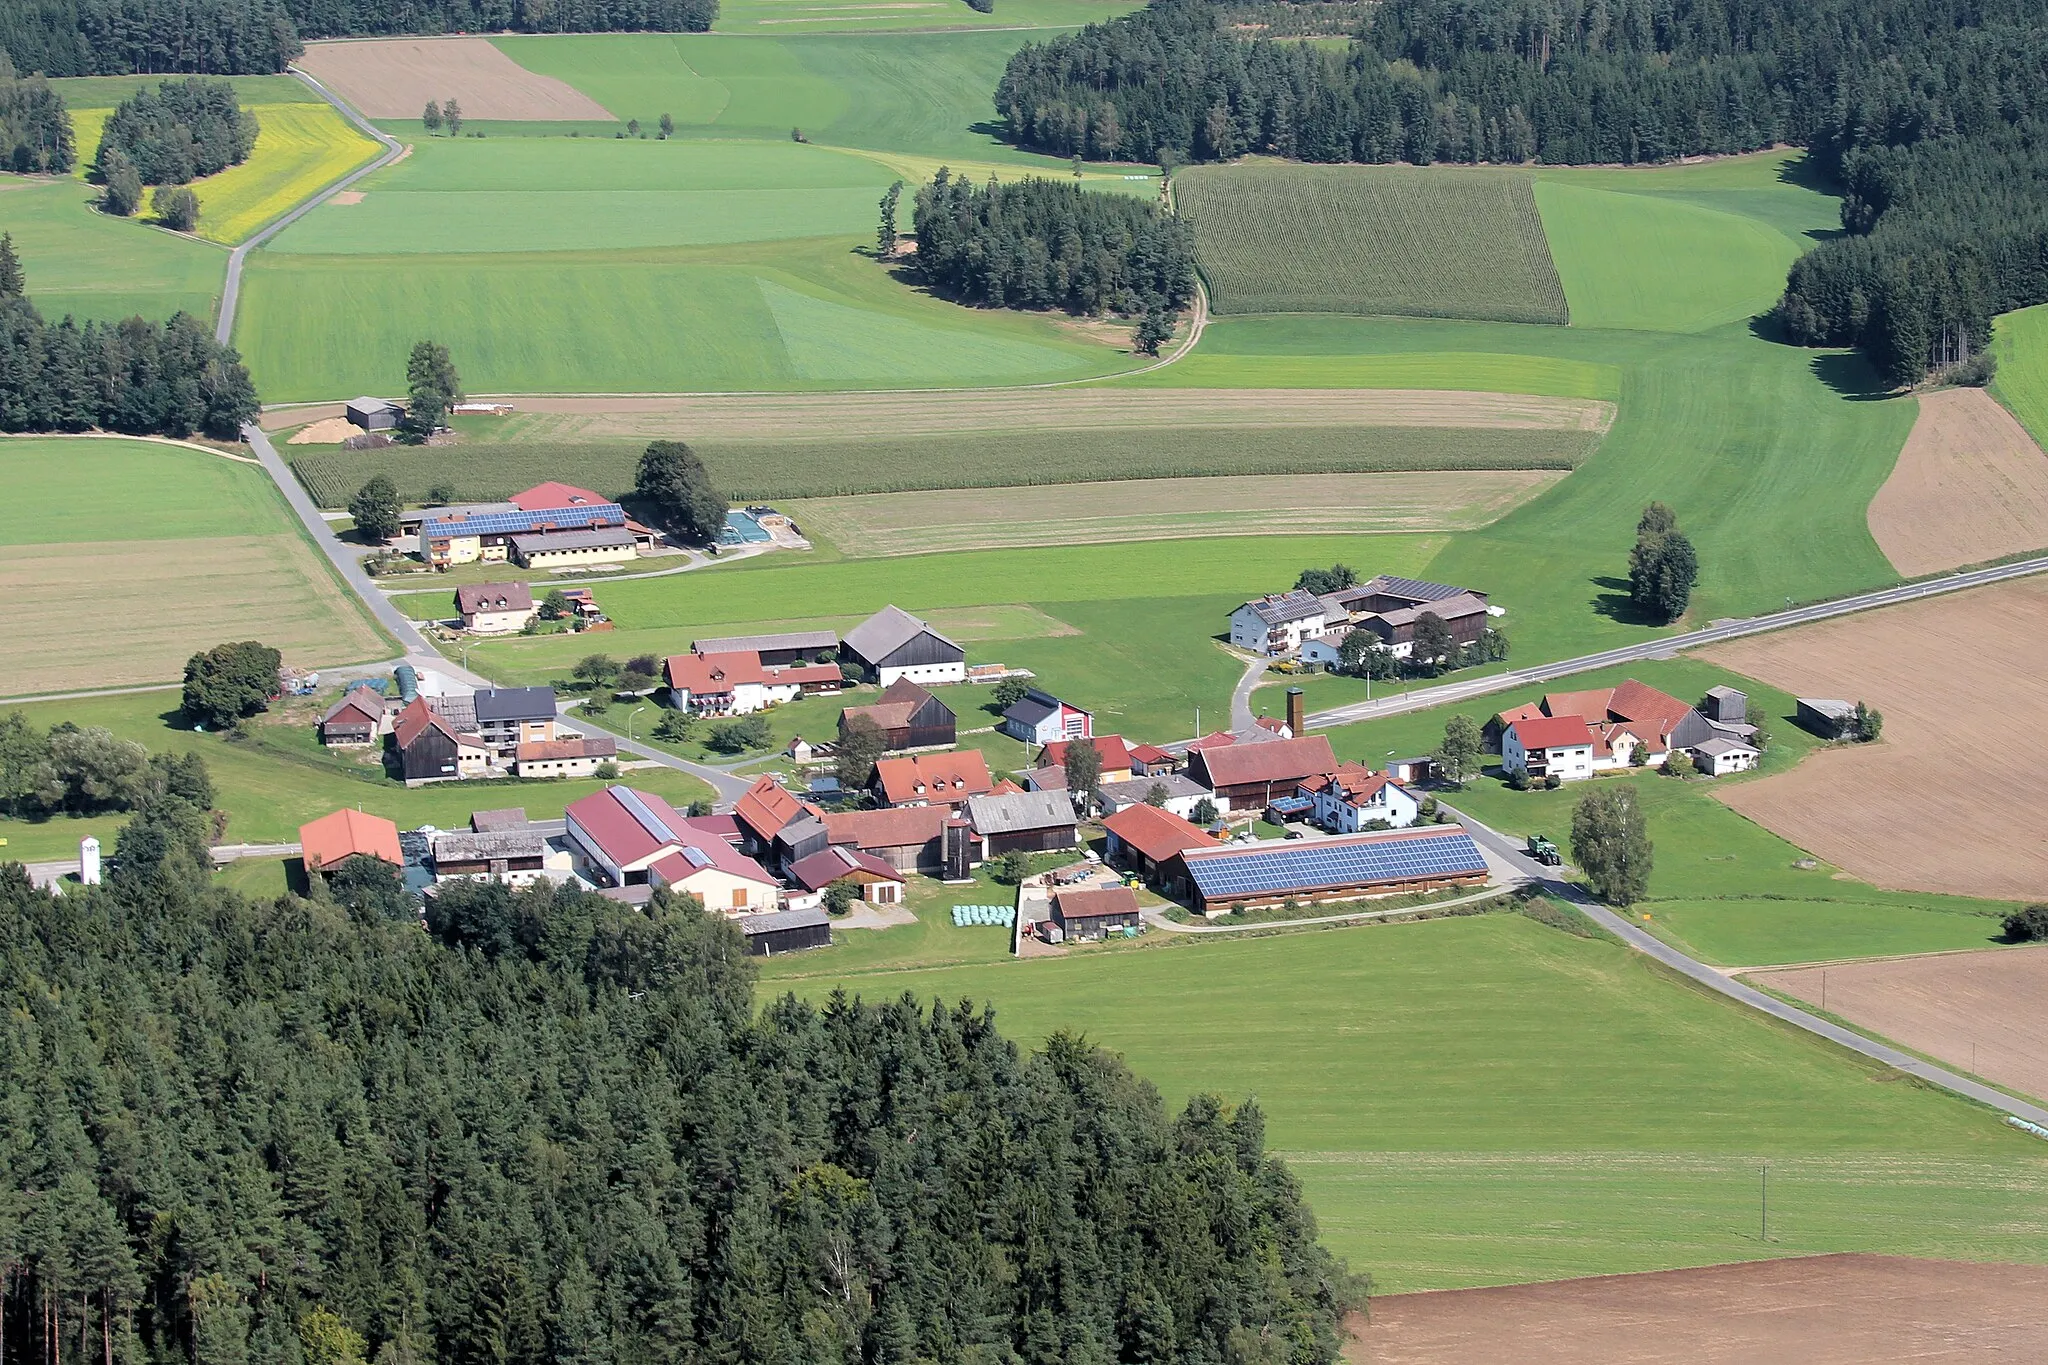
column 1425, row 697
column 1241, row 717
column 1645, row 942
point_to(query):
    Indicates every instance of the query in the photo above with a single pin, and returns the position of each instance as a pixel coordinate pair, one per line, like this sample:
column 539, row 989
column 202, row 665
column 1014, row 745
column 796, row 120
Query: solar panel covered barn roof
column 1278, row 867
column 513, row 523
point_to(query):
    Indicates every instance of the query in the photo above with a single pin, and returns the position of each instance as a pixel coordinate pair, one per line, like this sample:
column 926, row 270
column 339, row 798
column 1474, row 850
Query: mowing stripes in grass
column 1471, row 372
column 1440, row 242
column 813, row 469
column 2021, row 346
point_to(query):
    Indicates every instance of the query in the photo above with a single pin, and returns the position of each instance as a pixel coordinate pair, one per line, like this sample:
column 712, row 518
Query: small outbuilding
column 1828, row 717
column 375, row 414
column 786, row 931
column 1093, row 914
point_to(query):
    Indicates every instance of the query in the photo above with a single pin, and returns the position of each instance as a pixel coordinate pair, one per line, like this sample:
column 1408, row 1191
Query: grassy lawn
column 933, row 941
column 1440, row 242
column 785, row 17
column 1485, row 1100
column 2020, row 342
column 280, row 778
column 91, row 265
column 104, row 92
column 1217, row 364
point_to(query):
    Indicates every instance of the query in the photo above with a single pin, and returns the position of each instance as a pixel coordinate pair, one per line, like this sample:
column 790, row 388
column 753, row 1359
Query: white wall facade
column 926, row 673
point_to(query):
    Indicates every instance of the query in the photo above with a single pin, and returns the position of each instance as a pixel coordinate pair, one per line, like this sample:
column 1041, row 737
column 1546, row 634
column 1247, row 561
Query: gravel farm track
column 1970, row 487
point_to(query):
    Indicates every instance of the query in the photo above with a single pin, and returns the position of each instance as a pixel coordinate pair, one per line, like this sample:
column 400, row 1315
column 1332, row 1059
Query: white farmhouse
column 1277, row 624
column 1548, row 746
column 1348, row 800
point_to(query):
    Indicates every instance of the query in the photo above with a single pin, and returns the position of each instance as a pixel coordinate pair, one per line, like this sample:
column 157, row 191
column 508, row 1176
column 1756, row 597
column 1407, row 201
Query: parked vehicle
column 1544, row 852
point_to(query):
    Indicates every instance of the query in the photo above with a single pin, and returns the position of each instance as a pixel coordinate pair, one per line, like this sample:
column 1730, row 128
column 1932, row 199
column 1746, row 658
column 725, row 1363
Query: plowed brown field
column 1975, row 1011
column 395, row 77
column 1970, row 486
column 1954, row 797
column 1816, row 1310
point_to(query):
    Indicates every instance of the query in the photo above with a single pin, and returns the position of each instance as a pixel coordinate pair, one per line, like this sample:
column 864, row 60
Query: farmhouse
column 571, row 756
column 1249, row 776
column 1110, row 749
column 515, row 856
column 430, row 749
column 1275, row 625
column 494, row 608
column 1038, row 717
column 1349, row 799
column 466, row 538
column 1146, row 840
column 374, row 414
column 908, row 838
column 1183, row 793
column 1026, row 822
column 507, row 717
column 739, row 684
column 345, row 833
column 893, row 644
column 626, row 837
column 1270, row 873
column 1094, row 914
column 1636, row 725
column 1542, row 747
column 908, row 716
column 544, row 496
column 947, row 779
column 879, row 883
column 356, row 720
column 789, row 647
column 1391, row 607
column 786, row 931
column 593, row 545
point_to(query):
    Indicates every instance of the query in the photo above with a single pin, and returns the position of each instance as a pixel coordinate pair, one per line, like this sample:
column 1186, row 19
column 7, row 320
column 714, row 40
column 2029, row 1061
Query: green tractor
column 1544, row 852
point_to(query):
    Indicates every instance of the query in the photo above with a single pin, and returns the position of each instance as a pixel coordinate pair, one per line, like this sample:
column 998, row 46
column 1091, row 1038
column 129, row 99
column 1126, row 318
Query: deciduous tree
column 376, row 510
column 1084, row 772
column 1322, row 582
column 430, row 117
column 861, row 744
column 1459, row 753
column 230, row 681
column 432, row 386
column 1611, row 843
column 677, row 493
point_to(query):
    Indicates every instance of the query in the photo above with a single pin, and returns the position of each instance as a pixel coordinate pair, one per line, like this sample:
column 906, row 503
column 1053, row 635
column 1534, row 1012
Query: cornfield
column 1414, row 242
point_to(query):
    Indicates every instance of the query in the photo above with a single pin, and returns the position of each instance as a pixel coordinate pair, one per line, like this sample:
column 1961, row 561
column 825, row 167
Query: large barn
column 893, row 644
column 1349, row 867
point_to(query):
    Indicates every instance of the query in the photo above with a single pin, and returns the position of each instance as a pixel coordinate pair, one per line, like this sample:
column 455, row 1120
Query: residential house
column 1270, row 873
column 1249, row 776
column 1275, row 625
column 625, row 837
column 788, row 647
column 1028, row 822
column 356, row 720
column 494, row 608
column 1326, row 651
column 1114, row 754
column 879, row 883
column 786, row 931
column 1148, row 759
column 907, row 838
column 517, row 857
column 430, row 749
column 1353, row 797
column 1147, row 840
column 893, row 644
column 570, row 756
column 325, row 842
column 908, row 716
column 1183, row 793
column 739, row 684
column 508, row 717
column 1038, row 717
column 1543, row 747
column 947, row 779
column 1093, row 914
column 1632, row 724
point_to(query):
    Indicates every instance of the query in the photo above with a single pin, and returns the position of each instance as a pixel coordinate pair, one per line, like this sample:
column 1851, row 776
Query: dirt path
column 1970, row 486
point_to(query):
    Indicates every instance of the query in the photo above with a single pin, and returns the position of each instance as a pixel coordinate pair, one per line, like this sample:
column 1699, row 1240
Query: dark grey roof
column 462, row 846
column 495, row 821
column 1415, row 589
column 1014, row 812
column 608, row 538
column 800, row 829
column 1176, row 784
column 1281, row 607
column 459, row 712
column 782, row 919
column 368, row 404
column 887, row 631
column 1031, row 708
column 806, row 640
column 1721, row 744
column 514, row 703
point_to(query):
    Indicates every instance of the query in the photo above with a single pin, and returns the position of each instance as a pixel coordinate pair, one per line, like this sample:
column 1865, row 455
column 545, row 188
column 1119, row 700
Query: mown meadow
column 2021, row 348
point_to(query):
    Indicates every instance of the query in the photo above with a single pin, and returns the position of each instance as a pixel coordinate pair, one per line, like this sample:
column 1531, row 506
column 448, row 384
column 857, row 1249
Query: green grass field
column 272, row 783
column 785, row 17
column 815, row 469
column 85, row 263
column 1217, row 365
column 2020, row 343
column 104, row 92
column 1371, row 239
column 1480, row 1101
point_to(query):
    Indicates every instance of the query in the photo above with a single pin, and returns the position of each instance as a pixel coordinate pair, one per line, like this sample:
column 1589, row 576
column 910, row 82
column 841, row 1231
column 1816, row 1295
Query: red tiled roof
column 1116, row 755
column 897, row 827
column 606, row 819
column 1215, row 739
column 326, row 841
column 767, row 808
column 1113, row 900
column 1353, row 783
column 417, row 718
column 1589, row 706
column 1005, row 788
column 1639, row 701
column 830, row 864
column 677, row 868
column 949, row 777
column 1156, row 833
column 1287, row 760
column 708, row 674
column 583, row 746
column 543, row 496
column 1148, row 754
column 1552, row 732
column 1526, row 711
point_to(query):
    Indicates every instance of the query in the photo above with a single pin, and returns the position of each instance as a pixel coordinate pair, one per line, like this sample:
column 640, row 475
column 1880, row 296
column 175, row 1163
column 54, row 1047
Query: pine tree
column 13, row 284
column 885, row 234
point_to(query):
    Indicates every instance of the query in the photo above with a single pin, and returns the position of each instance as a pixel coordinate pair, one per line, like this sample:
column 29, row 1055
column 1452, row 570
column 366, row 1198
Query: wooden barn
column 909, row 716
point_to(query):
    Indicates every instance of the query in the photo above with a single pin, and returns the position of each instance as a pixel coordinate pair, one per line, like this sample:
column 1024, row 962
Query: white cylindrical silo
column 89, row 861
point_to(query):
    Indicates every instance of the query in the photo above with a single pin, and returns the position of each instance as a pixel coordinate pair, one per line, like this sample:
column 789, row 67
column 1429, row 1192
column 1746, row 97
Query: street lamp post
column 632, row 720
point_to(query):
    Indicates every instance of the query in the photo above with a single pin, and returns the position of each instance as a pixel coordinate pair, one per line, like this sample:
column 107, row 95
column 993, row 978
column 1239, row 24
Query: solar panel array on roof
column 695, row 856
column 1308, row 865
column 1420, row 589
column 511, row 523
column 656, row 827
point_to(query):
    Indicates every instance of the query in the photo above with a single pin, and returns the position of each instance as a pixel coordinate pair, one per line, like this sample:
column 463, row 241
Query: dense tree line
column 35, row 129
column 553, row 1128
column 1040, row 243
column 177, row 132
column 83, row 770
column 1931, row 112
column 135, row 376
column 243, row 37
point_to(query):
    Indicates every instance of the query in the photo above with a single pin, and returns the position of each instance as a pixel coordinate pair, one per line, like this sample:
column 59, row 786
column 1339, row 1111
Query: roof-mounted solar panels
column 655, row 826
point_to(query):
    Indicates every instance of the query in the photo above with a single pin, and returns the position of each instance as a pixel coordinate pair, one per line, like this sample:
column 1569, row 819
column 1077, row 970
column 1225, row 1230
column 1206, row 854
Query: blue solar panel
column 1308, row 864
column 513, row 523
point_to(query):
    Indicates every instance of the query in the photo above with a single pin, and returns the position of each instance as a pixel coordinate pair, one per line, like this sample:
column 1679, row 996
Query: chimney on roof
column 1296, row 721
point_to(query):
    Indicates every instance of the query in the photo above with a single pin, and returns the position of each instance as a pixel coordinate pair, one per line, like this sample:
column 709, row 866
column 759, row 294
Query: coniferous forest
column 549, row 1127
column 1931, row 114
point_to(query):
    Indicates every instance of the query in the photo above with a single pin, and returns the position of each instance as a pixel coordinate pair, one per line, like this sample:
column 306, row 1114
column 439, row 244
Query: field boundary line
column 1858, row 961
column 120, row 436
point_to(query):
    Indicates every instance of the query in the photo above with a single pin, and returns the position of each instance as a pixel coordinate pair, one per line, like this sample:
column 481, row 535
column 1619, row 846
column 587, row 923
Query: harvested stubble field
column 1438, row 242
column 1970, row 486
column 1978, row 1012
column 1164, row 509
column 822, row 469
column 395, row 77
column 1950, row 799
column 1819, row 1310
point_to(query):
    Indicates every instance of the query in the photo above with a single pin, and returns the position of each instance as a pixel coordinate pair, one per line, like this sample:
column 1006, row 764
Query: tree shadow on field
column 1616, row 605
column 1851, row 377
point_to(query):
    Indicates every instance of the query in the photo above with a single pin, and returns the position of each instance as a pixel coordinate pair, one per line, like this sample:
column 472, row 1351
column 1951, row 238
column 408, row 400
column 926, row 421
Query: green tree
column 675, row 727
column 1663, row 566
column 1611, row 843
column 741, row 736
column 1322, row 582
column 668, row 126
column 430, row 117
column 122, row 192
column 325, row 1338
column 596, row 670
column 1678, row 763
column 440, row 495
column 861, row 744
column 1459, row 753
column 677, row 493
column 376, row 510
column 432, row 386
column 1204, row 813
column 635, row 681
column 1157, row 796
column 1364, row 655
column 1008, row 692
column 175, row 207
column 632, row 127
column 885, row 232
column 451, row 114
column 13, row 283
column 24, row 750
column 230, row 681
column 89, row 768
column 841, row 896
column 1868, row 725
column 1153, row 331
column 368, row 888
column 1010, row 868
column 1084, row 771
column 182, row 775
column 2028, row 924
column 555, row 605
column 1435, row 647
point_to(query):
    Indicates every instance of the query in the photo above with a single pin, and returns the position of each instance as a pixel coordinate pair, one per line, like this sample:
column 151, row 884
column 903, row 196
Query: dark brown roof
column 1115, row 900
column 897, row 827
column 475, row 597
column 1284, row 760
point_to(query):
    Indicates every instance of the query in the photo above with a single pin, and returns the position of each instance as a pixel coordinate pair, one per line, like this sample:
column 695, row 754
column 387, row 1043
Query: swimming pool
column 741, row 528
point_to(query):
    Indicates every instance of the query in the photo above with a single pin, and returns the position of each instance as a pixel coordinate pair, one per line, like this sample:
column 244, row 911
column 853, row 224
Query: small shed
column 375, row 414
column 786, row 931
column 1828, row 717
column 1095, row 913
column 1726, row 706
